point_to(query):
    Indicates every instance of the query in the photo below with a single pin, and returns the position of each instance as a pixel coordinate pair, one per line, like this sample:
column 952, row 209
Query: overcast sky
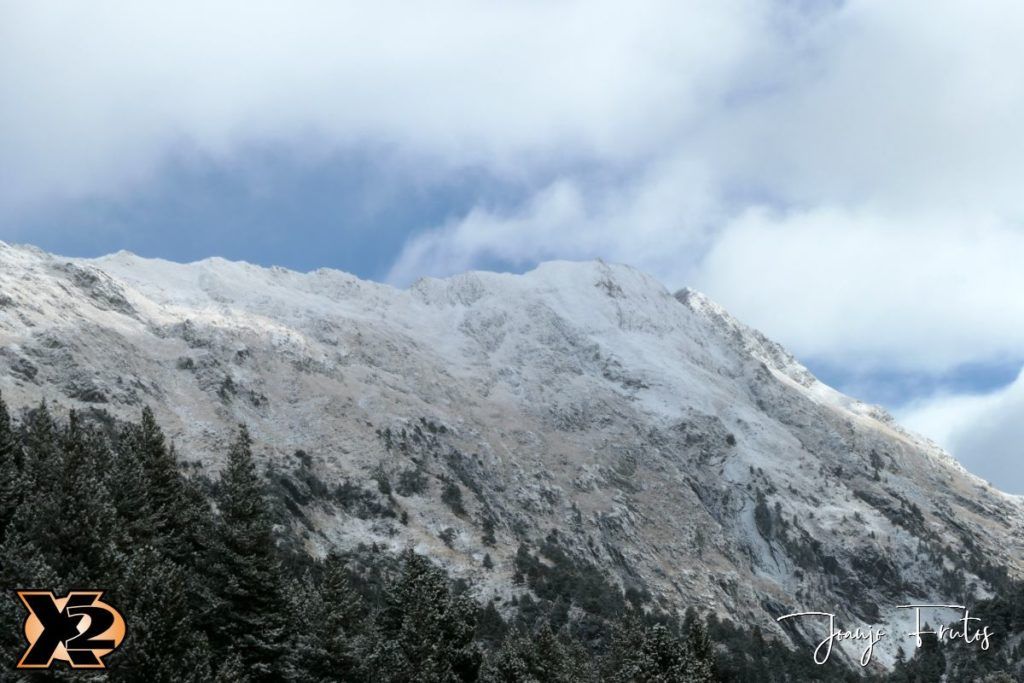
column 845, row 176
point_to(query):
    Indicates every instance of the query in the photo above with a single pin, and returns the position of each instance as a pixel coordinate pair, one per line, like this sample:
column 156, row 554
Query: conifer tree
column 346, row 611
column 927, row 664
column 166, row 643
column 38, row 518
column 426, row 632
column 487, row 535
column 88, row 529
column 182, row 521
column 42, row 465
column 331, row 620
column 252, row 623
column 10, row 468
column 309, row 659
column 175, row 512
column 642, row 652
column 67, row 511
column 534, row 658
column 133, row 499
column 491, row 628
column 160, row 466
column 23, row 566
column 166, row 487
column 232, row 670
column 700, row 652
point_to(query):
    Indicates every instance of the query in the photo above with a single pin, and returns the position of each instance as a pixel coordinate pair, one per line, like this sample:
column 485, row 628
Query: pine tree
column 331, row 621
column 426, row 632
column 535, row 658
column 23, row 566
column 487, row 536
column 232, row 670
column 627, row 642
column 10, row 468
column 38, row 517
column 699, row 649
column 346, row 610
column 88, row 531
column 182, row 519
column 181, row 524
column 147, row 440
column 491, row 628
column 641, row 652
column 928, row 662
column 252, row 623
column 166, row 643
column 309, row 659
column 40, row 439
column 133, row 501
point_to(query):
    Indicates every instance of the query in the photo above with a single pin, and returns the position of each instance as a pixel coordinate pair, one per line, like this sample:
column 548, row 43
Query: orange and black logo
column 79, row 629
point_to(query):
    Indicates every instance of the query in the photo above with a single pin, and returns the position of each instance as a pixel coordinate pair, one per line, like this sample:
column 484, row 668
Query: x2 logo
column 79, row 629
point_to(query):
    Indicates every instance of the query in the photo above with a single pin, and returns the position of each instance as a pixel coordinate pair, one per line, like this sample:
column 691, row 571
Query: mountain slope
column 649, row 435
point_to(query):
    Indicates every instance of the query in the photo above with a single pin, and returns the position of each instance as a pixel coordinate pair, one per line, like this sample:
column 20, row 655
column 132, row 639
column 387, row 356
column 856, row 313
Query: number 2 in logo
column 79, row 629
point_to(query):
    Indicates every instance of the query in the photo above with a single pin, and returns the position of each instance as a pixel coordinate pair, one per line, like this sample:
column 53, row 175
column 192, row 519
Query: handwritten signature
column 968, row 629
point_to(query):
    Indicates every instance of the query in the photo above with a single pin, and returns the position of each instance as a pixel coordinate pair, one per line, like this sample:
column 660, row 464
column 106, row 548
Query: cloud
column 983, row 430
column 920, row 291
column 853, row 190
column 844, row 175
column 648, row 222
column 98, row 97
column 904, row 105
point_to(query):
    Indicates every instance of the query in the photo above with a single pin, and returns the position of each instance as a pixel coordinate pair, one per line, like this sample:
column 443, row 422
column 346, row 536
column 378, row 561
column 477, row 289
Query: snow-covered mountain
column 682, row 453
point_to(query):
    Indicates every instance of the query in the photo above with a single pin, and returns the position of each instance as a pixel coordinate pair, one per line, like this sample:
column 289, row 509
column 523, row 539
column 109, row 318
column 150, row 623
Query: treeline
column 1003, row 662
column 214, row 589
column 210, row 592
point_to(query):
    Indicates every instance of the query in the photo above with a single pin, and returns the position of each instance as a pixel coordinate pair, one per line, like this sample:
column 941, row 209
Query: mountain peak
column 655, row 433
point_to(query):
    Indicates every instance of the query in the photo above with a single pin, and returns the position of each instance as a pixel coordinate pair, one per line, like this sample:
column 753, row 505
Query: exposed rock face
column 678, row 451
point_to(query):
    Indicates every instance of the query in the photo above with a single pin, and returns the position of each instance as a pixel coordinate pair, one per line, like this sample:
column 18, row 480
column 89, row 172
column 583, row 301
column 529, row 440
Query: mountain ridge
column 673, row 447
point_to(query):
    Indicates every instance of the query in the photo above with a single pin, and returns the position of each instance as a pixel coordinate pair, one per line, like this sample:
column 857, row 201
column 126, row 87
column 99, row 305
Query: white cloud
column 98, row 95
column 856, row 196
column 648, row 222
column 903, row 104
column 855, row 192
column 985, row 431
column 921, row 291
column 845, row 176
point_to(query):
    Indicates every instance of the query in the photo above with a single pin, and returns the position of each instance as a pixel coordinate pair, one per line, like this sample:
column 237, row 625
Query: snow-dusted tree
column 643, row 652
column 166, row 643
column 331, row 621
column 10, row 468
column 425, row 632
column 252, row 622
column 539, row 657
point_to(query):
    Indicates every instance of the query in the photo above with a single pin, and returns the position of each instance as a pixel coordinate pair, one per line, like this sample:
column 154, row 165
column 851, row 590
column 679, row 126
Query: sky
column 844, row 176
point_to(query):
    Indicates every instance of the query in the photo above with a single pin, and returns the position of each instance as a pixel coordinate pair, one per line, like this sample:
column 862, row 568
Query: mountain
column 651, row 438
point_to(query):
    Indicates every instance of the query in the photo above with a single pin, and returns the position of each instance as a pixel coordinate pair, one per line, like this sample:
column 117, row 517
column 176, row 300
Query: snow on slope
column 665, row 442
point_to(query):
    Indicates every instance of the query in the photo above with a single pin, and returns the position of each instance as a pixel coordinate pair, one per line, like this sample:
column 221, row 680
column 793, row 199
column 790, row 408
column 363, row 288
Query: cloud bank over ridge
column 843, row 175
